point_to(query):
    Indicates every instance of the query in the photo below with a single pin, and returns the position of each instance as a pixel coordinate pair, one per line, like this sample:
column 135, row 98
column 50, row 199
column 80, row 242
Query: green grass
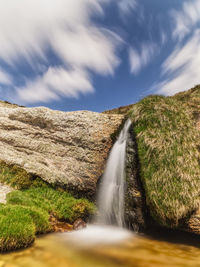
column 18, row 178
column 17, row 228
column 61, row 204
column 168, row 140
column 27, row 212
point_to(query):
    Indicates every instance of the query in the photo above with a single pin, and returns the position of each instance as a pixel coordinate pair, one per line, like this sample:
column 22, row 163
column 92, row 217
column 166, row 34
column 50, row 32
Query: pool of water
column 136, row 250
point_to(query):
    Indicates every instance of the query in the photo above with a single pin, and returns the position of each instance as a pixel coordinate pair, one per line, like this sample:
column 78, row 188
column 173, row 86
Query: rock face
column 135, row 209
column 65, row 148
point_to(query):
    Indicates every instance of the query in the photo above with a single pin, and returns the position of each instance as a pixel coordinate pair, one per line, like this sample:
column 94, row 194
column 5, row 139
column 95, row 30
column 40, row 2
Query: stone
column 4, row 190
column 135, row 208
column 65, row 148
column 79, row 224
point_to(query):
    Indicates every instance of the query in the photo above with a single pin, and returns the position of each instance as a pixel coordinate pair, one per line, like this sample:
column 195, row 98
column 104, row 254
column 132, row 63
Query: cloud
column 186, row 18
column 181, row 68
column 163, row 38
column 138, row 60
column 56, row 82
column 126, row 6
column 30, row 28
column 5, row 78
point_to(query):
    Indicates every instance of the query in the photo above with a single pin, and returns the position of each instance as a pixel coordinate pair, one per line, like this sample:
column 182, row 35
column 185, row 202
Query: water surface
column 138, row 250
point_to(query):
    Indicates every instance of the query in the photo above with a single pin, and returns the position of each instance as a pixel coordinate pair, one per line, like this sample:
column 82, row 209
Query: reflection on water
column 138, row 251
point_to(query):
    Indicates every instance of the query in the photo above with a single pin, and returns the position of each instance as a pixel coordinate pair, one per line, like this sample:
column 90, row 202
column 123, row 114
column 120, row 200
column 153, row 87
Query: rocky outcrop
column 64, row 148
column 135, row 210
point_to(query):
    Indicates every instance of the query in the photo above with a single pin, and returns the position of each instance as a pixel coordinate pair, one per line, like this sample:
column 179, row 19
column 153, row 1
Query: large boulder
column 65, row 148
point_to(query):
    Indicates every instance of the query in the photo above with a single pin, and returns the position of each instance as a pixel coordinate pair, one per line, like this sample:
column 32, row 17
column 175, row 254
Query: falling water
column 108, row 227
column 111, row 194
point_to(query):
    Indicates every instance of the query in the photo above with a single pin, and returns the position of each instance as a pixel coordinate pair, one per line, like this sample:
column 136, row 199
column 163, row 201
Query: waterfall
column 108, row 227
column 111, row 193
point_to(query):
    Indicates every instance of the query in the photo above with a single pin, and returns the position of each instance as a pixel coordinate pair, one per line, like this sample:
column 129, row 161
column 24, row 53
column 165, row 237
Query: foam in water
column 111, row 194
column 108, row 227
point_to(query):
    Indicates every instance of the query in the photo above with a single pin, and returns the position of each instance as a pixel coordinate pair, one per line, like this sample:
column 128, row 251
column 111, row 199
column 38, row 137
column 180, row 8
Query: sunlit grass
column 168, row 140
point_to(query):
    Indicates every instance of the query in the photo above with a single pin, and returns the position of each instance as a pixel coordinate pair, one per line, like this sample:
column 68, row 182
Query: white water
column 111, row 194
column 107, row 227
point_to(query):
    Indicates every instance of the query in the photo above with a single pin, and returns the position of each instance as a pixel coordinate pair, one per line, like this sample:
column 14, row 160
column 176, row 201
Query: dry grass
column 168, row 151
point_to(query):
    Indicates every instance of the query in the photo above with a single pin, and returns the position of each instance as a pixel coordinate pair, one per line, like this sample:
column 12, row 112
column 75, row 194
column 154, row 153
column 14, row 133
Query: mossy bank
column 168, row 140
column 30, row 206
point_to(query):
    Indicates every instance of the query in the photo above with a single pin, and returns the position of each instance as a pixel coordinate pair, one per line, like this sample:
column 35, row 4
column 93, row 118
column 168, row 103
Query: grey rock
column 65, row 148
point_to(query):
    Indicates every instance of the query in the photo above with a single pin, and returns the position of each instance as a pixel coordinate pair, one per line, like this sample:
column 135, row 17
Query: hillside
column 168, row 140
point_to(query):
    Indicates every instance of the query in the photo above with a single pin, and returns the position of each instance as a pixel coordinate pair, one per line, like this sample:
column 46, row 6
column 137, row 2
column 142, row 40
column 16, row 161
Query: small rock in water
column 79, row 224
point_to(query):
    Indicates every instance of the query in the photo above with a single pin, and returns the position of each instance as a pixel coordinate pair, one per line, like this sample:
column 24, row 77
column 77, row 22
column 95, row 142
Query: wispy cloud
column 186, row 18
column 30, row 27
column 5, row 78
column 181, row 68
column 126, row 6
column 139, row 59
column 54, row 83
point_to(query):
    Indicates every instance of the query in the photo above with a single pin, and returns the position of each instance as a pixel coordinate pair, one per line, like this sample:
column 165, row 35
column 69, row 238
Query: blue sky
column 97, row 54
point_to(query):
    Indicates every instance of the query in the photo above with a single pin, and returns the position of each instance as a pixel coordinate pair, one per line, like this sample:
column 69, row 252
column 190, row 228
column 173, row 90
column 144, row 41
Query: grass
column 61, row 204
column 17, row 228
column 27, row 213
column 168, row 140
column 18, row 178
column 29, row 208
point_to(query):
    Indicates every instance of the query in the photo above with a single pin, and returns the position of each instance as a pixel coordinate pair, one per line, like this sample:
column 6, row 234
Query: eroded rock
column 65, row 148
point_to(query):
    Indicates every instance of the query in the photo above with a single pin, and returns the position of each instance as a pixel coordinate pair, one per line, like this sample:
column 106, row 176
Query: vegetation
column 29, row 208
column 168, row 141
column 18, row 178
column 169, row 153
column 27, row 214
column 61, row 204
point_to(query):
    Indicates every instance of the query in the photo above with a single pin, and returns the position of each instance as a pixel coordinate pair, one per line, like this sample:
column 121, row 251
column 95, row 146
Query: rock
column 79, row 224
column 194, row 224
column 135, row 209
column 59, row 226
column 64, row 148
column 4, row 190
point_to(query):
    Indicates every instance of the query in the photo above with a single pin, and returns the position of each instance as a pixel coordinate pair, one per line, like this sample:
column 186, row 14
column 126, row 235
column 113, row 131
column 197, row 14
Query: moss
column 61, row 204
column 27, row 213
column 167, row 141
column 18, row 178
column 17, row 229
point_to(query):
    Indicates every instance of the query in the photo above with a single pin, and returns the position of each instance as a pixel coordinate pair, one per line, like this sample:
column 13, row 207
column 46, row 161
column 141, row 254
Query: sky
column 97, row 54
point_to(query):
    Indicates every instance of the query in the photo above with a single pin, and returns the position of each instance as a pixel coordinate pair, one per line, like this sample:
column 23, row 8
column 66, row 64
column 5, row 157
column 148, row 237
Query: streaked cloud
column 140, row 59
column 5, row 78
column 29, row 28
column 186, row 18
column 126, row 6
column 163, row 37
column 181, row 68
column 56, row 82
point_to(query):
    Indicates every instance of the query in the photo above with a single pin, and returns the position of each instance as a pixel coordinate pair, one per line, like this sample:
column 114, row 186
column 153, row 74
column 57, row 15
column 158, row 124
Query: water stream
column 107, row 227
column 111, row 193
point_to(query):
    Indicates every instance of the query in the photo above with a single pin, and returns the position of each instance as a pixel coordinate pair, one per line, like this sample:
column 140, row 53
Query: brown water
column 139, row 251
